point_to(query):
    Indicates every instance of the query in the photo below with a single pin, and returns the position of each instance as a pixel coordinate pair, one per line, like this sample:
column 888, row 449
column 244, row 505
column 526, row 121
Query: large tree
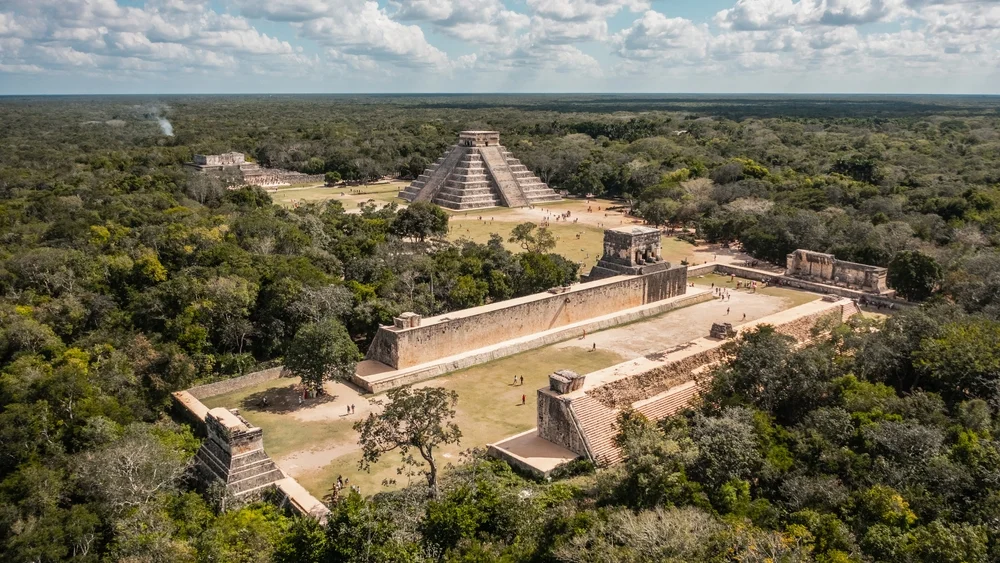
column 421, row 220
column 913, row 275
column 320, row 351
column 533, row 238
column 414, row 421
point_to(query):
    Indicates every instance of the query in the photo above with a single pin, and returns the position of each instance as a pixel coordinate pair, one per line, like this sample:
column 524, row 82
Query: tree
column 659, row 212
column 963, row 360
column 421, row 220
column 322, row 350
column 332, row 177
column 913, row 275
column 533, row 238
column 414, row 419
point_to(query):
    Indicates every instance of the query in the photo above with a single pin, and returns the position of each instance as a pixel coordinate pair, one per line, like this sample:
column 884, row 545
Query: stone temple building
column 630, row 250
column 825, row 268
column 478, row 172
column 250, row 173
column 233, row 454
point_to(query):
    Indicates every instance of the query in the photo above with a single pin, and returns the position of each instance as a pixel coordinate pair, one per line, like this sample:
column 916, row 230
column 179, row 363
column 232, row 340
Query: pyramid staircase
column 475, row 174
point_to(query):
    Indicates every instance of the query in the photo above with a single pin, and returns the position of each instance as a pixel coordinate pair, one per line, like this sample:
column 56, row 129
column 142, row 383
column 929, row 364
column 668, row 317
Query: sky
column 486, row 46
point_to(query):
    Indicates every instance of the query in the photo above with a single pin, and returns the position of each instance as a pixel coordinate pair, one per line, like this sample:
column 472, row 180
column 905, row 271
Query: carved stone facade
column 478, row 172
column 250, row 173
column 233, row 454
column 225, row 159
column 629, row 250
column 825, row 268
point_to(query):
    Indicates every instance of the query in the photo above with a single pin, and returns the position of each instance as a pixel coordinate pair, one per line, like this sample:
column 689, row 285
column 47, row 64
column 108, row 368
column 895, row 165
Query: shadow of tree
column 281, row 400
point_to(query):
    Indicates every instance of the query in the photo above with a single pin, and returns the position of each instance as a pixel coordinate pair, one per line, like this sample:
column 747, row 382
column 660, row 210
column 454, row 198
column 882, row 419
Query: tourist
column 522, row 380
column 727, row 310
column 744, row 316
column 352, row 409
column 348, row 409
column 515, row 380
column 594, row 348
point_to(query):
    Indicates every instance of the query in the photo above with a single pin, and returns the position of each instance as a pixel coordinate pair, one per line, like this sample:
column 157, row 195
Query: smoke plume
column 165, row 125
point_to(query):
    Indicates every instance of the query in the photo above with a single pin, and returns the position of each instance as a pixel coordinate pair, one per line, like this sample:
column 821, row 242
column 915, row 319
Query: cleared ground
column 350, row 196
column 314, row 441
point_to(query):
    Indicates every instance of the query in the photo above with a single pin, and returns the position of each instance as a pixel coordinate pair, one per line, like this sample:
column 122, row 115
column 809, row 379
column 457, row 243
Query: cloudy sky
column 218, row 46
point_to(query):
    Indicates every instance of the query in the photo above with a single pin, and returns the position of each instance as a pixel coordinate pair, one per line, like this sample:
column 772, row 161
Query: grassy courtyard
column 489, row 408
column 381, row 193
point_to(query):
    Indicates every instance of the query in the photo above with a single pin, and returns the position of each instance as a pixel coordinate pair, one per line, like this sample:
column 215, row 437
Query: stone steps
column 598, row 425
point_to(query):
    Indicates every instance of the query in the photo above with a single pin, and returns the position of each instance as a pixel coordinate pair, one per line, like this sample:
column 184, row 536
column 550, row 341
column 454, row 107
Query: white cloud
column 655, row 36
column 371, row 32
column 748, row 15
column 579, row 10
column 485, row 21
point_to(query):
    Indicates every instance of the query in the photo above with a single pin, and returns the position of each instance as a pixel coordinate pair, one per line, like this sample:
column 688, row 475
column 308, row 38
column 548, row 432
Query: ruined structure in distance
column 250, row 173
column 631, row 250
column 825, row 268
column 478, row 172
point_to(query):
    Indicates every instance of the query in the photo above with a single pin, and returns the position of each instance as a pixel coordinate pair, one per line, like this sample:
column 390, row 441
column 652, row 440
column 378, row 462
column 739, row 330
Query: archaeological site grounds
column 524, row 328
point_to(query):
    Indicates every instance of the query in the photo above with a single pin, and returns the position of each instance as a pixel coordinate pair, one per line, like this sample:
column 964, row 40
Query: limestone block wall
column 556, row 422
column 440, row 337
column 624, row 392
column 235, row 383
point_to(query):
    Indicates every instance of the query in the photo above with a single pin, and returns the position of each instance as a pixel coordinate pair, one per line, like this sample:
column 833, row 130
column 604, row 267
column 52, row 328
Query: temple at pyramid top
column 478, row 172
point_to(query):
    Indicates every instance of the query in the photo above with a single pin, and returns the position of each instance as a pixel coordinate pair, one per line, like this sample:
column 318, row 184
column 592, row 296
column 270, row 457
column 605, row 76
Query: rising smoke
column 155, row 112
column 165, row 125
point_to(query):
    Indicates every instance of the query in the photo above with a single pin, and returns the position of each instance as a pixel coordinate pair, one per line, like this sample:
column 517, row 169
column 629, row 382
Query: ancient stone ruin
column 233, row 454
column 722, row 331
column 825, row 268
column 631, row 250
column 250, row 173
column 478, row 172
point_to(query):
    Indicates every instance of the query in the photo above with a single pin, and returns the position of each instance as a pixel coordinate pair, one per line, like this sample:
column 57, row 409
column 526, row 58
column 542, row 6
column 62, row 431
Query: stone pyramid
column 478, row 172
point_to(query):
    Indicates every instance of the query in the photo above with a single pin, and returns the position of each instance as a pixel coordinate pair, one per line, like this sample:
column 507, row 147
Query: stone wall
column 626, row 391
column 886, row 298
column 235, row 383
column 556, row 422
column 378, row 383
column 467, row 330
column 825, row 268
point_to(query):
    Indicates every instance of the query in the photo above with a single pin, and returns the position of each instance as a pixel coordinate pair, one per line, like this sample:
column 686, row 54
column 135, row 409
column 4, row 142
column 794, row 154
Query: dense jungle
column 124, row 276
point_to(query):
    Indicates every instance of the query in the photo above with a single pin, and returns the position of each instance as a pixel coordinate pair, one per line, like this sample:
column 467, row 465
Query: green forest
column 124, row 277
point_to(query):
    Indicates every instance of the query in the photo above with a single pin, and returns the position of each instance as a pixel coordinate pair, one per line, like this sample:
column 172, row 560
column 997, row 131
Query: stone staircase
column 468, row 186
column 507, row 184
column 597, row 423
column 532, row 188
column 426, row 186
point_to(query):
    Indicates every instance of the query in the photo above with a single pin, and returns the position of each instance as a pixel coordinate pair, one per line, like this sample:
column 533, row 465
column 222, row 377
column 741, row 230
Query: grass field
column 382, row 193
column 489, row 408
column 580, row 243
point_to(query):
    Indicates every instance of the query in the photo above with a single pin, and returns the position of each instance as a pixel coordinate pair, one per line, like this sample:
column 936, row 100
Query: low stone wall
column 381, row 383
column 235, row 383
column 479, row 327
column 787, row 281
column 626, row 391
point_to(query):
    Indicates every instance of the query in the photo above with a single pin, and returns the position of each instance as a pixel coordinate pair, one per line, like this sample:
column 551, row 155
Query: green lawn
column 587, row 248
column 489, row 408
column 383, row 193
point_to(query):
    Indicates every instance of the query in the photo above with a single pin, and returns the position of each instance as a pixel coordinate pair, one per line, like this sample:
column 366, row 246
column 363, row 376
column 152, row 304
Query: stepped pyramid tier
column 233, row 454
column 478, row 172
